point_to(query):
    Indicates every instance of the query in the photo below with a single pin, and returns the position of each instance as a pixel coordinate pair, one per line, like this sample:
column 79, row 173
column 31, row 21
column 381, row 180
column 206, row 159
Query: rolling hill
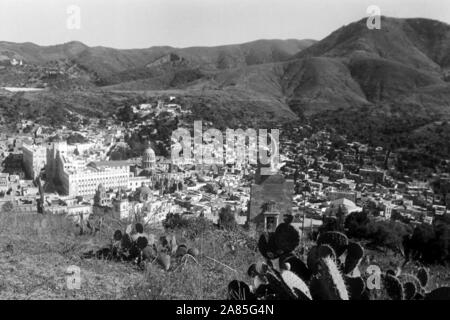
column 109, row 64
column 392, row 80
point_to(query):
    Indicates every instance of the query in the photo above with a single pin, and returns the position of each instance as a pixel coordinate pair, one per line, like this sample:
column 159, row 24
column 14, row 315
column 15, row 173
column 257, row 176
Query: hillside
column 109, row 64
column 38, row 254
column 394, row 80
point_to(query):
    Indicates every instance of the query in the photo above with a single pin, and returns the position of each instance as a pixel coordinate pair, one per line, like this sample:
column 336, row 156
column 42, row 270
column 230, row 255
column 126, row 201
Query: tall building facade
column 34, row 160
column 84, row 181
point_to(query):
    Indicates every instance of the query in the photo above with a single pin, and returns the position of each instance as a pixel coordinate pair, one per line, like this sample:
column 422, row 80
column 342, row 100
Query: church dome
column 148, row 158
column 149, row 155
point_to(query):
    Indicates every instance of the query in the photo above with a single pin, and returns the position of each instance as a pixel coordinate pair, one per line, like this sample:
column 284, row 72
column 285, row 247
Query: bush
column 356, row 224
column 175, row 221
column 389, row 234
column 429, row 244
column 193, row 227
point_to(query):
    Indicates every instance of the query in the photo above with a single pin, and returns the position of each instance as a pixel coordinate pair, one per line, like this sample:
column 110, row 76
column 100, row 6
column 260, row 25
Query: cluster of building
column 332, row 177
column 321, row 178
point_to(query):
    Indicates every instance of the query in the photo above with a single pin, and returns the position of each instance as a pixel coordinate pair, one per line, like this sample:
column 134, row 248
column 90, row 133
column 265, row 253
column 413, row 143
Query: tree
column 356, row 224
column 430, row 244
column 388, row 234
column 371, row 208
column 441, row 187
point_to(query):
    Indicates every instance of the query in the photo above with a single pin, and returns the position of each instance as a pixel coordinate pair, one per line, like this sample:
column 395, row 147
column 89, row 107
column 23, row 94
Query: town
column 89, row 172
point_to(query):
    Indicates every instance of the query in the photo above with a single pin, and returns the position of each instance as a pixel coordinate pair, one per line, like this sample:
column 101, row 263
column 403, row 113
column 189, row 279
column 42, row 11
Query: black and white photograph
column 240, row 151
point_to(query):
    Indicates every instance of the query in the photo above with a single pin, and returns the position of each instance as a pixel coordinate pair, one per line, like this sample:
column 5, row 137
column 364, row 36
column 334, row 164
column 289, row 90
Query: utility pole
column 304, row 217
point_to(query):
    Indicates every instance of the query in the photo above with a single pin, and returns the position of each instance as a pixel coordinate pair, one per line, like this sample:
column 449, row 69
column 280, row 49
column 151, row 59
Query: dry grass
column 36, row 250
column 203, row 277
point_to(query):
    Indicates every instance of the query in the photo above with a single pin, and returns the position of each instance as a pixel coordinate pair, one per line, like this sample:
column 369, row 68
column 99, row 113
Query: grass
column 36, row 250
column 203, row 277
column 35, row 255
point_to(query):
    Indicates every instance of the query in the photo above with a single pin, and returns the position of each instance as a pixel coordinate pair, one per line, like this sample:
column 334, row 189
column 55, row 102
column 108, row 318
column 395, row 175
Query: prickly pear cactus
column 267, row 246
column 316, row 253
column 252, row 272
column 286, row 237
column 181, row 250
column 409, row 290
column 423, row 276
column 164, row 260
column 297, row 266
column 296, row 284
column 393, row 286
column 279, row 287
column 410, row 278
column 356, row 287
column 391, row 272
column 353, row 258
column 337, row 240
column 329, row 283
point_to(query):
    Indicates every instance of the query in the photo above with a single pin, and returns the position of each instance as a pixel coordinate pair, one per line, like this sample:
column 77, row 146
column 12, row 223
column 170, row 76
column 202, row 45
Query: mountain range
column 374, row 85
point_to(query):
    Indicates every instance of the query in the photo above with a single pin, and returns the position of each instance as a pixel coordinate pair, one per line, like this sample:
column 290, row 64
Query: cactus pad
column 164, row 260
column 409, row 290
column 355, row 287
column 393, row 286
column 260, row 280
column 261, row 267
column 181, row 250
column 251, row 272
column 337, row 240
column 296, row 284
column 193, row 252
column 298, row 267
column 423, row 276
column 267, row 246
column 355, row 253
column 391, row 272
column 329, row 284
column 286, row 237
column 407, row 277
column 314, row 255
column 277, row 285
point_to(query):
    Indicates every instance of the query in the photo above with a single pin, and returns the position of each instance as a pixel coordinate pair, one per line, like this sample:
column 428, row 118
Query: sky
column 183, row 23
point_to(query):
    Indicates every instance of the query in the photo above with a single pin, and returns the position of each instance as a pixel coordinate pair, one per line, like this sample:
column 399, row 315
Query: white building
column 84, row 181
column 34, row 159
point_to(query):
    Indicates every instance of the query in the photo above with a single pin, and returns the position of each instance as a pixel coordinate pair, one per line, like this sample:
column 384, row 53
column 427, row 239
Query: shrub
column 429, row 244
column 193, row 227
column 387, row 234
column 175, row 221
column 356, row 224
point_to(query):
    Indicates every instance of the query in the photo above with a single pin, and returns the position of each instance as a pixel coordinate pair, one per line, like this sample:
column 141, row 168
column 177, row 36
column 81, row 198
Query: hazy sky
column 181, row 23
